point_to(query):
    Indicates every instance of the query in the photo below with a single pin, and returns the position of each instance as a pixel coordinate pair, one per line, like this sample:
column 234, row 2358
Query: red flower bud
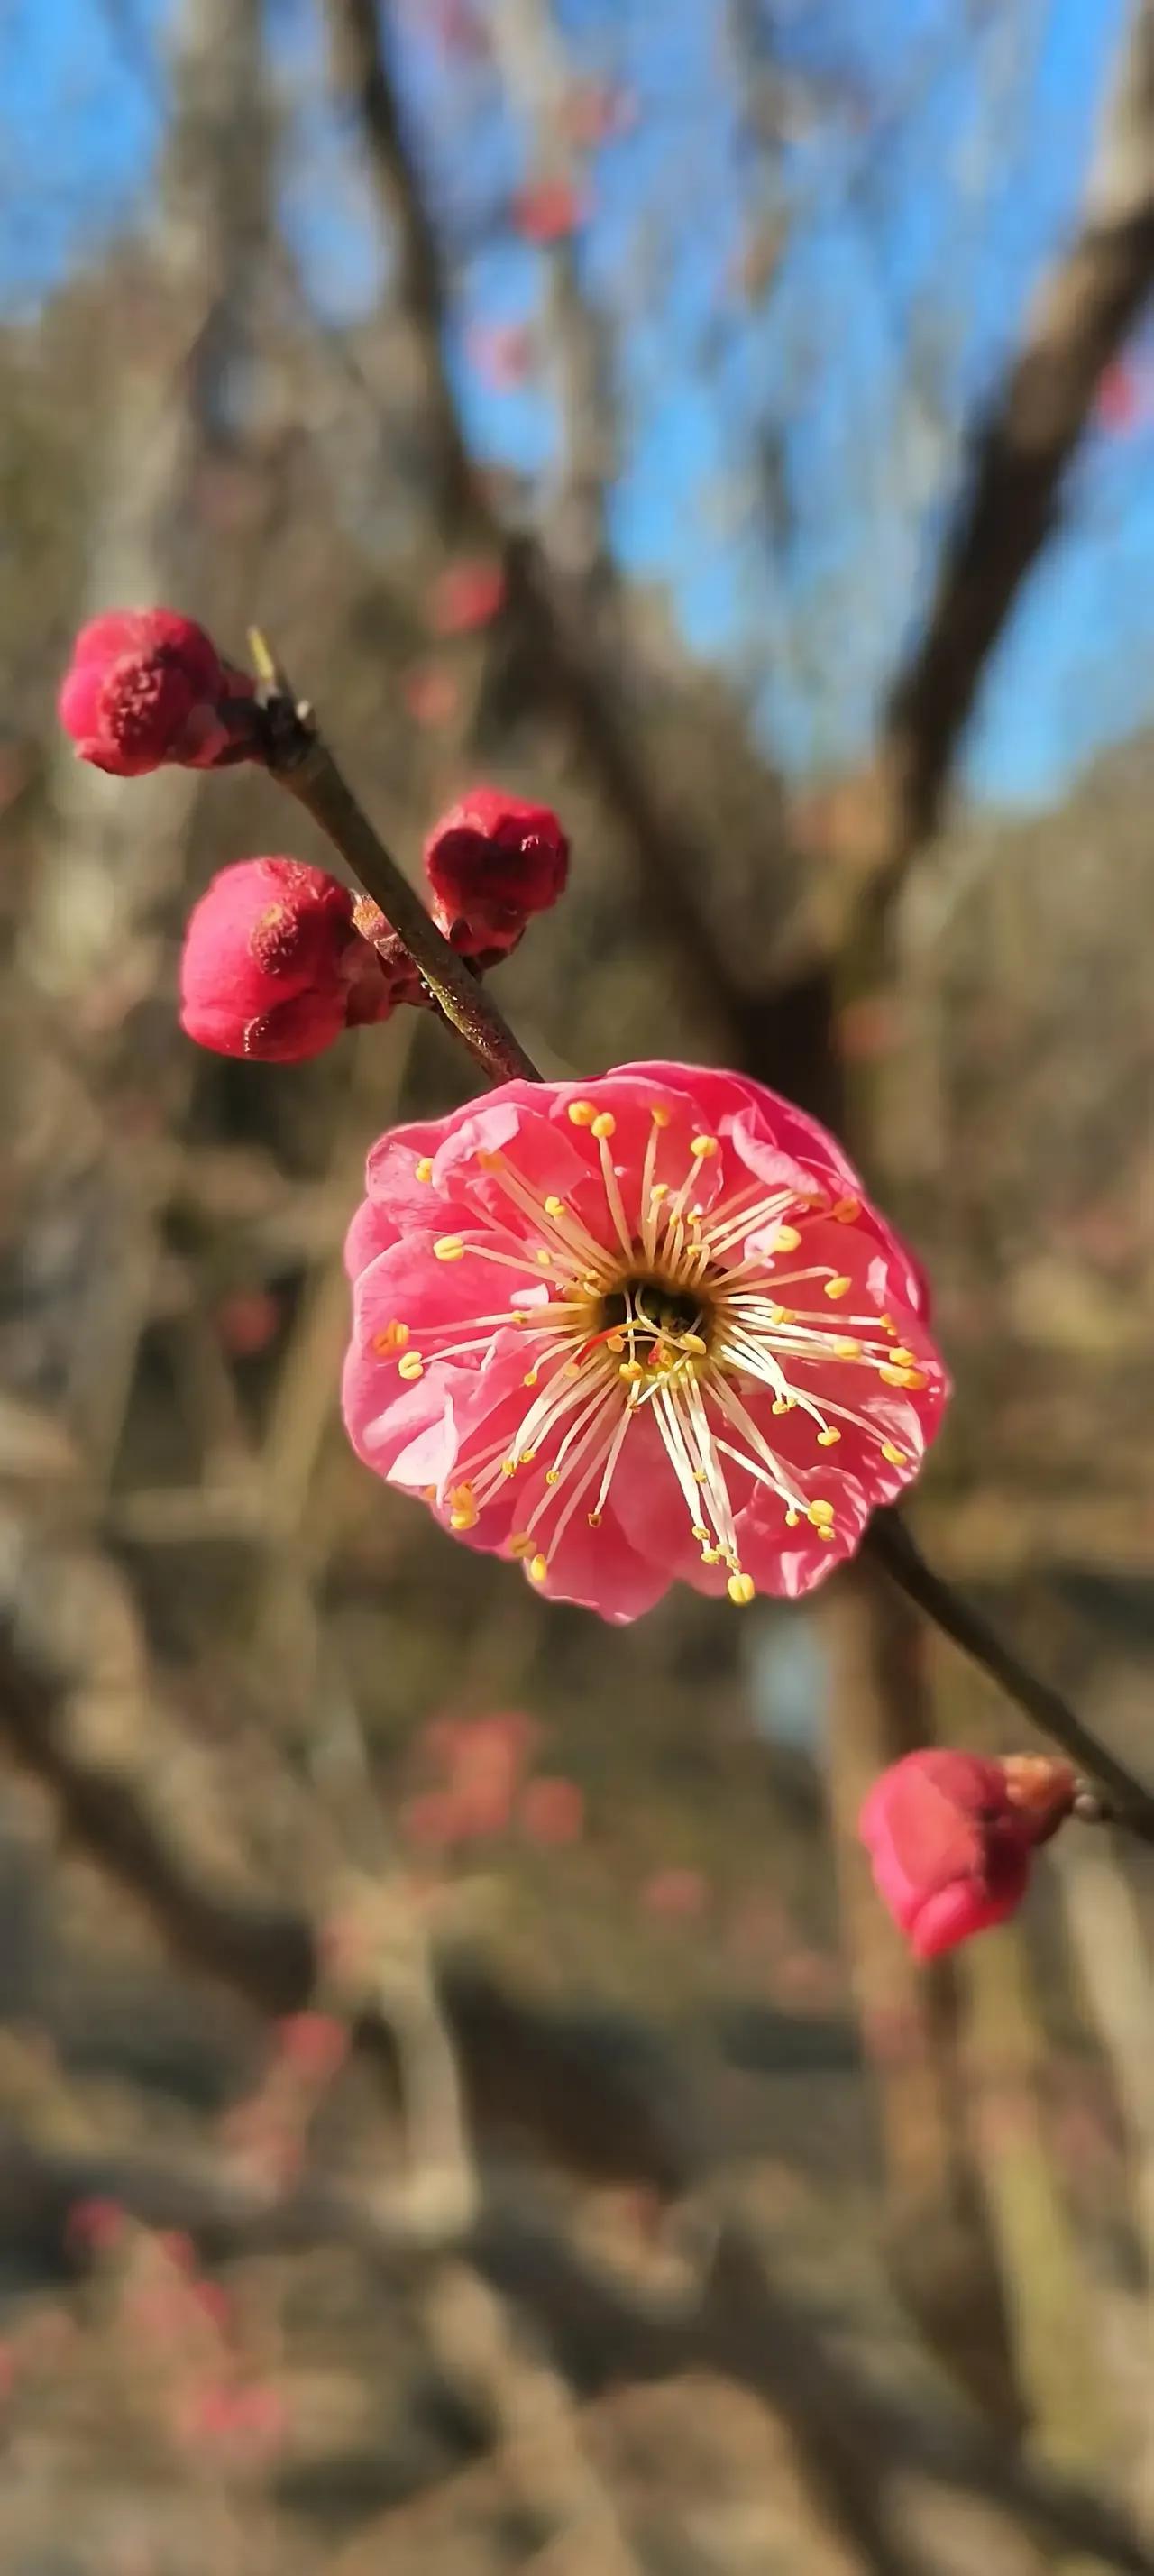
column 146, row 686
column 492, row 861
column 951, row 1837
column 274, row 966
column 467, row 595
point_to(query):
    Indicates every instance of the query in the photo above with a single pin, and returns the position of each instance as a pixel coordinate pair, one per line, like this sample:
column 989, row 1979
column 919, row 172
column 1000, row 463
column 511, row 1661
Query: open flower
column 952, row 1835
column 147, row 686
column 636, row 1331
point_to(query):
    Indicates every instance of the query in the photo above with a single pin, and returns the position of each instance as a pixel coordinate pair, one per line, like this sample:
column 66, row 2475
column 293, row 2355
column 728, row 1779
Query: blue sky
column 787, row 467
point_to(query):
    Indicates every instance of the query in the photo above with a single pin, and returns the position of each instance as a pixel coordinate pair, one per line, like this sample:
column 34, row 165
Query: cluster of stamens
column 675, row 1315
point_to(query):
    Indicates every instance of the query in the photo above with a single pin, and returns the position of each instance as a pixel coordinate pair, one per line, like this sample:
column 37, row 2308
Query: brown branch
column 604, row 2333
column 889, row 1542
column 363, row 79
column 1021, row 452
column 297, row 756
column 600, row 2101
column 551, row 630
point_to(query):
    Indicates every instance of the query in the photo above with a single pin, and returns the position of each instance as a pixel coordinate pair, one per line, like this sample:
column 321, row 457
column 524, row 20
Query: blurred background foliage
column 663, row 410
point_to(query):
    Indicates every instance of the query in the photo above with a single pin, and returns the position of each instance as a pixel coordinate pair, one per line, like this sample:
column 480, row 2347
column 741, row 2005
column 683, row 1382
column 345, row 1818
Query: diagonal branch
column 1020, row 453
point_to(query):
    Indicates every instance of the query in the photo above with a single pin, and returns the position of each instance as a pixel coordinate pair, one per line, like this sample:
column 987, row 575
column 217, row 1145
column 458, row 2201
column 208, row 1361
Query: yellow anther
column 538, row 1568
column 845, row 1348
column 792, row 1518
column 902, row 1376
column 826, row 1533
column 895, row 1457
column 702, row 1148
column 904, row 1359
column 786, row 1239
column 489, row 1162
column 828, row 1438
column 659, row 1115
column 700, row 1534
column 711, row 1556
column 820, row 1513
column 845, row 1210
column 424, row 1169
column 526, row 1458
column 781, row 1404
column 604, row 1124
column 554, row 1206
column 700, row 1476
column 393, row 1338
column 552, row 1475
column 659, row 1191
column 466, row 1516
column 594, row 1519
column 741, row 1588
column 411, row 1365
column 693, row 1342
column 543, row 1257
column 449, row 1247
column 582, row 1113
column 508, row 1466
column 887, row 1323
column 428, row 1493
column 616, row 1342
column 838, row 1287
column 531, row 1376
column 630, row 1371
column 781, row 1314
column 522, row 1543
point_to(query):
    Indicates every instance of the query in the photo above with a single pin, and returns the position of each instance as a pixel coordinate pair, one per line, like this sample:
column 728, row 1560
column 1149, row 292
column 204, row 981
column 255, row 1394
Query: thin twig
column 299, row 759
column 889, row 1542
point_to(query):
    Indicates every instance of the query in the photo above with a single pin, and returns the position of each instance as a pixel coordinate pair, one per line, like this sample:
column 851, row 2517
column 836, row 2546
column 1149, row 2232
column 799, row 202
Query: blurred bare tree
column 582, row 2178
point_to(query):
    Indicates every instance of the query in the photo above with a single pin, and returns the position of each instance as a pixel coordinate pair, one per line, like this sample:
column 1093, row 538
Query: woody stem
column 296, row 755
column 889, row 1543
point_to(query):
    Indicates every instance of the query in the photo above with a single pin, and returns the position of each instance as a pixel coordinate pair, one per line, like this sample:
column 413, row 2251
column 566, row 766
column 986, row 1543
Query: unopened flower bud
column 492, row 862
column 146, row 686
column 274, row 966
column 952, row 1835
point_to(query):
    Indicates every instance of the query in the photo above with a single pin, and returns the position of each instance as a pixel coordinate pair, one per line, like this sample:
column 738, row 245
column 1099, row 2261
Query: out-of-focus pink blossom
column 548, row 210
column 247, row 1322
column 552, row 1812
column 501, row 352
column 430, row 693
column 313, row 2045
column 675, row 1895
column 468, row 595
